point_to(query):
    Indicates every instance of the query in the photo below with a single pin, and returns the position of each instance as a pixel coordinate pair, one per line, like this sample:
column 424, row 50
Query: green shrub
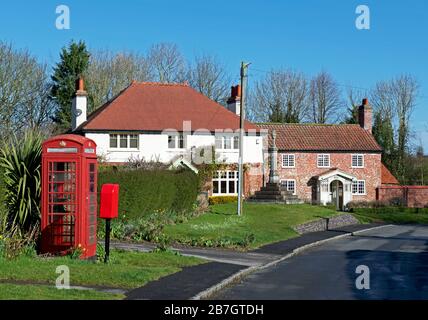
column 390, row 210
column 20, row 161
column 222, row 199
column 14, row 243
column 143, row 192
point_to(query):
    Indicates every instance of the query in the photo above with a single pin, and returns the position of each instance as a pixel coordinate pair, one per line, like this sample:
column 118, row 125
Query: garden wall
column 342, row 220
column 408, row 196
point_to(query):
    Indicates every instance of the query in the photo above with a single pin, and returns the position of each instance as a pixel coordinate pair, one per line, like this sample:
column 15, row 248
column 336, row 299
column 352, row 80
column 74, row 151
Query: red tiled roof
column 314, row 137
column 156, row 107
column 387, row 177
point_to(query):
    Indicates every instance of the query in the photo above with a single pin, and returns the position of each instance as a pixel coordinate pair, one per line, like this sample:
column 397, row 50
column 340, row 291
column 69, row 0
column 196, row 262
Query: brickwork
column 306, row 171
column 410, row 196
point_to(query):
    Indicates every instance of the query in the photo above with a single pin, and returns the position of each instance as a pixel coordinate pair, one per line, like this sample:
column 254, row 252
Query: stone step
column 296, row 201
column 269, row 196
column 275, row 192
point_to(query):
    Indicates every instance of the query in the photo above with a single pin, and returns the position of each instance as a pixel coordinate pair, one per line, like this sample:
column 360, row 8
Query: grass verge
column 126, row 270
column 365, row 215
column 36, row 292
column 260, row 224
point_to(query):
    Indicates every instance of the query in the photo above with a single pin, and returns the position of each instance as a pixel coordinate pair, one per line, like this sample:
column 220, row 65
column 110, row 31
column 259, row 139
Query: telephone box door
column 62, row 203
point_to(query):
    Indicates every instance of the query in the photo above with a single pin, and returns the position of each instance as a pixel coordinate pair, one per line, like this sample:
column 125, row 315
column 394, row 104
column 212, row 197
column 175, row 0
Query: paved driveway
column 397, row 258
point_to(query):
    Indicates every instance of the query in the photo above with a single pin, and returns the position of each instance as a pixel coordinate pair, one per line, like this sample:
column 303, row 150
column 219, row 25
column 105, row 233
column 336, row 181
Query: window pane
column 231, row 186
column 133, row 141
column 215, row 187
column 227, row 142
column 113, row 141
column 235, row 142
column 124, row 141
column 181, row 141
column 223, row 186
column 288, row 160
column 323, row 160
column 171, row 142
column 219, row 142
column 357, row 160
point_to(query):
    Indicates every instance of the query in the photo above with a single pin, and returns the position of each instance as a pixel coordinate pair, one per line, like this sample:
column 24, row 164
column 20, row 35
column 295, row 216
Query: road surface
column 396, row 257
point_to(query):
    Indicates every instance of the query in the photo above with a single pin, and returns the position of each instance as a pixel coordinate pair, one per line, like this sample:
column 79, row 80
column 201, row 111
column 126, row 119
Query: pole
column 107, row 241
column 244, row 76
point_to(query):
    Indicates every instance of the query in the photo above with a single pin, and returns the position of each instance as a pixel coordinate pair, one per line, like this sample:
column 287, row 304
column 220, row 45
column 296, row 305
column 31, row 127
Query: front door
column 337, row 194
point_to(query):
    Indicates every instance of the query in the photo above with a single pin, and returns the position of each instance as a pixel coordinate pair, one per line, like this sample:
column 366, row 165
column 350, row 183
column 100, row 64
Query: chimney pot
column 80, row 84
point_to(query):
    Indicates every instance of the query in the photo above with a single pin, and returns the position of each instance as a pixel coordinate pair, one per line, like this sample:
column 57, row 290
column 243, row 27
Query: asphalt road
column 396, row 257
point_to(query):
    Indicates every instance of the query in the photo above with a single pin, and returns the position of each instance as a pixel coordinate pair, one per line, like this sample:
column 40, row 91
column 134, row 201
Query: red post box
column 69, row 195
column 109, row 205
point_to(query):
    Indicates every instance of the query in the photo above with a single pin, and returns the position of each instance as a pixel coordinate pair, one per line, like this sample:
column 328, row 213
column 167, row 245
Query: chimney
column 79, row 105
column 365, row 115
column 234, row 102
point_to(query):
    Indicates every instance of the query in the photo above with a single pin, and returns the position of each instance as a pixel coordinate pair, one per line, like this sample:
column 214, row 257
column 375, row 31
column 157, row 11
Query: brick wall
column 306, row 170
column 410, row 196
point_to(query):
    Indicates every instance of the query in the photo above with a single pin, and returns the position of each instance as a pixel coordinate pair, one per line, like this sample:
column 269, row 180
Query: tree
column 383, row 132
column 355, row 97
column 24, row 92
column 73, row 63
column 281, row 97
column 109, row 73
column 168, row 63
column 209, row 77
column 395, row 100
column 325, row 98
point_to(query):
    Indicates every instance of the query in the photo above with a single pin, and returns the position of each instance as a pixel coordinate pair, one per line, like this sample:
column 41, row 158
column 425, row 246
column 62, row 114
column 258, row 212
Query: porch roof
column 336, row 172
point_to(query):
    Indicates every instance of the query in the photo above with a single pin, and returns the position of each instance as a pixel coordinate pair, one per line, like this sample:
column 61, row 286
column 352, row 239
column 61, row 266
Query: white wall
column 155, row 146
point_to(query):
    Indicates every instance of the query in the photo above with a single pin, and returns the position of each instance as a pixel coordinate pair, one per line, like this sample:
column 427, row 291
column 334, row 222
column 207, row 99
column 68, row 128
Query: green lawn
column 260, row 224
column 33, row 292
column 127, row 270
column 393, row 216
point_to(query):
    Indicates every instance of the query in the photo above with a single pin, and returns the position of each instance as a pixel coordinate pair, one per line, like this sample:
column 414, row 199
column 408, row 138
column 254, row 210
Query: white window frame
column 227, row 142
column 323, row 155
column 176, row 138
column 285, row 182
column 358, row 156
column 128, row 141
column 217, row 178
column 357, row 184
column 288, row 156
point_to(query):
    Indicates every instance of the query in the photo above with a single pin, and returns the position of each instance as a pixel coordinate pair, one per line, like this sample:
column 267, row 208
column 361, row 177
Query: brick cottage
column 335, row 164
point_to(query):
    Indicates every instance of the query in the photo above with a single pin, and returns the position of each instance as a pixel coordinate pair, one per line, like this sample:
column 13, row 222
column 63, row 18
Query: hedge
column 222, row 199
column 143, row 192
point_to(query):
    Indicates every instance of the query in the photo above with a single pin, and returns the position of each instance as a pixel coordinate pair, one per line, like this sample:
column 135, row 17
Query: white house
column 163, row 122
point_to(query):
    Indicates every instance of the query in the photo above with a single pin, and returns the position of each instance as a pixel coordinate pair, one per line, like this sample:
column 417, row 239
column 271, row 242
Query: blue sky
column 306, row 35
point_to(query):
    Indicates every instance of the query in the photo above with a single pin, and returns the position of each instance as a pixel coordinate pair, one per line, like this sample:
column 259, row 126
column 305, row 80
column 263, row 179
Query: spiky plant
column 20, row 161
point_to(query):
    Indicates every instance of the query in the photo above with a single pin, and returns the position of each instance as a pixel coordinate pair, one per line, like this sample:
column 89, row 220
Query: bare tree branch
column 325, row 99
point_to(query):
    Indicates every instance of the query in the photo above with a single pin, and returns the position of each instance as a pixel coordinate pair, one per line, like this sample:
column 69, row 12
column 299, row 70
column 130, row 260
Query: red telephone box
column 69, row 195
